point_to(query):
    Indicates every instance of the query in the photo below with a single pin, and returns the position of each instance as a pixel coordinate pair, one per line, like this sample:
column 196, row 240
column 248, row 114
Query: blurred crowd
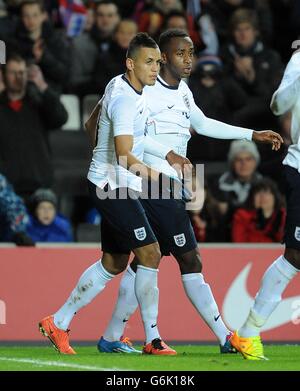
column 64, row 51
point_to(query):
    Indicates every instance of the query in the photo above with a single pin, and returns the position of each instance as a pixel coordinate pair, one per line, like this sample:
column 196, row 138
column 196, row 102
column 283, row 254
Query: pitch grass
column 189, row 358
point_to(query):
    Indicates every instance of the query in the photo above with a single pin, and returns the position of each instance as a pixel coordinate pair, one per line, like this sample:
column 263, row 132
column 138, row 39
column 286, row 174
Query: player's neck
column 169, row 78
column 134, row 82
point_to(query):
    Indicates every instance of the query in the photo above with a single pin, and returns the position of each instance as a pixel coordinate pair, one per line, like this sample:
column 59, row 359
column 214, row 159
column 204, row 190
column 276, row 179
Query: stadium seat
column 67, row 147
column 72, row 105
column 88, row 103
column 88, row 233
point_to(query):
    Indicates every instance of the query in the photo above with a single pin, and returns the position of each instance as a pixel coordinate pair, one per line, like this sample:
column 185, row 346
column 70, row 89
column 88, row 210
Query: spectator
column 222, row 10
column 88, row 46
column 233, row 187
column 37, row 41
column 45, row 224
column 218, row 97
column 112, row 62
column 254, row 67
column 208, row 222
column 7, row 22
column 13, row 216
column 29, row 108
column 152, row 19
column 179, row 20
column 263, row 217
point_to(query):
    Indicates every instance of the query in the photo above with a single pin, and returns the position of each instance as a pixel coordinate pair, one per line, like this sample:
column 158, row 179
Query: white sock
column 91, row 282
column 126, row 305
column 274, row 282
column 146, row 292
column 200, row 295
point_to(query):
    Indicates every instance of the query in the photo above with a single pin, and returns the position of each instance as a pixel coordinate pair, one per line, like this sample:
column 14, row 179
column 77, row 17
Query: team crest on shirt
column 297, row 234
column 140, row 233
column 180, row 240
column 186, row 101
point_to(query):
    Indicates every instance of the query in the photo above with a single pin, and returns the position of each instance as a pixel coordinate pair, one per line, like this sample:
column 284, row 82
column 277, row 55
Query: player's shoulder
column 118, row 91
column 184, row 88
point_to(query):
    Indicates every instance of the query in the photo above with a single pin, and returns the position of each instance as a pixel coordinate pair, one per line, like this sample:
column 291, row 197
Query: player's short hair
column 141, row 40
column 39, row 3
column 168, row 35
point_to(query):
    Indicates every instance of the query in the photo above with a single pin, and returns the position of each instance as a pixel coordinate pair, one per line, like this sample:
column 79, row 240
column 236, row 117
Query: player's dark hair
column 168, row 35
column 33, row 2
column 141, row 40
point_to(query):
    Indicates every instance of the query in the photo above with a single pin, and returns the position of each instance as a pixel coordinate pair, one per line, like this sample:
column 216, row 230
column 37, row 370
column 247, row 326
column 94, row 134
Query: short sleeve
column 122, row 111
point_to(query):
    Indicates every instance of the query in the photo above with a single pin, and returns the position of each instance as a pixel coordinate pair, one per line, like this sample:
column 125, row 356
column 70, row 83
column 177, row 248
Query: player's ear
column 130, row 64
column 163, row 58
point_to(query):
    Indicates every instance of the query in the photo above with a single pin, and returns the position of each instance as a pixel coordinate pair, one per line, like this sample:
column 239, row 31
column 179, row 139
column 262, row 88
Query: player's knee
column 190, row 262
column 115, row 263
column 293, row 256
column 149, row 256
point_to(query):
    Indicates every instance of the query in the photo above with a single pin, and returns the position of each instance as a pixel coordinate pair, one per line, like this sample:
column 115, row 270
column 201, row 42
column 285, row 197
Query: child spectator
column 46, row 225
column 263, row 217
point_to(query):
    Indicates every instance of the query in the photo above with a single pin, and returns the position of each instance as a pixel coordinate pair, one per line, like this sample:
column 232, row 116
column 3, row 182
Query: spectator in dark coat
column 45, row 224
column 232, row 188
column 29, row 108
column 218, row 97
column 86, row 48
column 263, row 217
column 37, row 42
column 112, row 62
column 254, row 67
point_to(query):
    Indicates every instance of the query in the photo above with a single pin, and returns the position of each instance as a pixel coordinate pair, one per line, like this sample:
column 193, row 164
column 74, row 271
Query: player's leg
column 146, row 291
column 200, row 295
column 125, row 306
column 92, row 281
column 90, row 284
column 276, row 277
column 128, row 218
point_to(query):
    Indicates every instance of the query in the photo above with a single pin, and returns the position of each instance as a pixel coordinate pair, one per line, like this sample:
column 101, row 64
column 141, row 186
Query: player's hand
column 268, row 137
column 181, row 164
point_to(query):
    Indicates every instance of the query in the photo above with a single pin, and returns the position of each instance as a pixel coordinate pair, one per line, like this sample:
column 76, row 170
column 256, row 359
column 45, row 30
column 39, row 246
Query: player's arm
column 126, row 159
column 164, row 152
column 287, row 93
column 122, row 112
column 217, row 129
column 91, row 123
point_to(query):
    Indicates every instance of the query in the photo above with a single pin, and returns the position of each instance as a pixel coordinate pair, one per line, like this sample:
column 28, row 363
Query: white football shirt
column 172, row 112
column 287, row 98
column 123, row 112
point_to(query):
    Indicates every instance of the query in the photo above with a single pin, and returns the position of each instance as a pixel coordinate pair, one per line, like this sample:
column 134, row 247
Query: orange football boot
column 158, row 347
column 59, row 338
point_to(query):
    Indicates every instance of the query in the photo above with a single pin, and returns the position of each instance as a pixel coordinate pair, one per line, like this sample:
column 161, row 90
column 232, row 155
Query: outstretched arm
column 217, row 129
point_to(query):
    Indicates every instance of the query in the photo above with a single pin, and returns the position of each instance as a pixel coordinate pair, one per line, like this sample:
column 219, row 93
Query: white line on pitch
column 58, row 364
